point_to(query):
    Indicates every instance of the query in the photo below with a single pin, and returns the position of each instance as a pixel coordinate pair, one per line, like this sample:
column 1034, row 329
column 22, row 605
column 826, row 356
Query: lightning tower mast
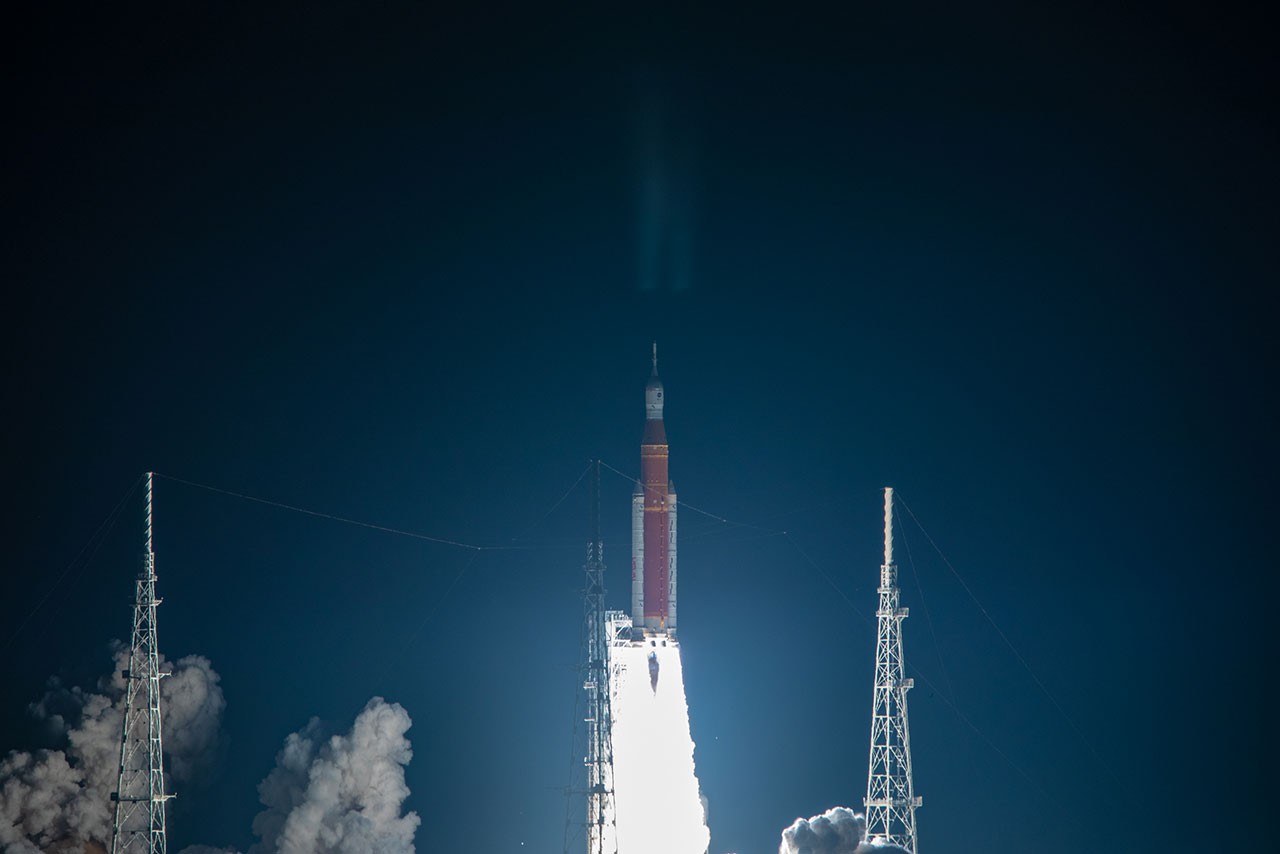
column 600, row 818
column 891, row 799
column 140, row 797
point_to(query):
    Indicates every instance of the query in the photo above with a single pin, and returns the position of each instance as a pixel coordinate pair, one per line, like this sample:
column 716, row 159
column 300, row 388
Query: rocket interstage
column 653, row 521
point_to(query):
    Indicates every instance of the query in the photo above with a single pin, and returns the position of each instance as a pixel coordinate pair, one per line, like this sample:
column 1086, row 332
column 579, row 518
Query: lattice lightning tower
column 601, row 823
column 139, row 796
column 891, row 799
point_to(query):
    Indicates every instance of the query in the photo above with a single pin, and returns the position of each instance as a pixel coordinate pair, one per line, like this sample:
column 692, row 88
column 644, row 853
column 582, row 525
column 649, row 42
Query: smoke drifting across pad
column 839, row 830
column 659, row 807
column 53, row 800
column 325, row 796
column 342, row 794
column 337, row 795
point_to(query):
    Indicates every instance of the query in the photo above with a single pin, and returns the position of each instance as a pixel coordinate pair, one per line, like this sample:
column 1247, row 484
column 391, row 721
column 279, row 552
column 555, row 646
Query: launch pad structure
column 652, row 749
column 641, row 784
column 642, row 792
column 597, row 637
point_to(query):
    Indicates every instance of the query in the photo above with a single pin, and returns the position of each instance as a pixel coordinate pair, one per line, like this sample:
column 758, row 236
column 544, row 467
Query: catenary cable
column 928, row 620
column 1018, row 655
column 383, row 528
column 95, row 540
column 685, row 505
column 556, row 506
column 947, row 702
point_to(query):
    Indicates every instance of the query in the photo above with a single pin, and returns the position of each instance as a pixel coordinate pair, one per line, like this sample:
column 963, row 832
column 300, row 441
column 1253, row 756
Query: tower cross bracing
column 139, row 824
column 891, row 800
column 597, row 635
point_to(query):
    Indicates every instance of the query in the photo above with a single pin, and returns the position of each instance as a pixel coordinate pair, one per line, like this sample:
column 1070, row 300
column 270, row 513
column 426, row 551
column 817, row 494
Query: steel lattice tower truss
column 601, row 824
column 891, row 799
column 139, row 796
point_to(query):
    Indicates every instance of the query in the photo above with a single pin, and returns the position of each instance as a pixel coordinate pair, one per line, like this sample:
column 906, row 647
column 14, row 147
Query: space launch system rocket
column 653, row 522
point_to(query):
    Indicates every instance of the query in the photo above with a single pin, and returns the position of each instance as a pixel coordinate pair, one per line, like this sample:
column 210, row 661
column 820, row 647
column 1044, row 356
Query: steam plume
column 839, row 830
column 342, row 795
column 59, row 799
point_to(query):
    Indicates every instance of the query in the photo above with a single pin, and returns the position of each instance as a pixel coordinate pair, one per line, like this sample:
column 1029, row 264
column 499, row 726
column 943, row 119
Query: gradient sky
column 405, row 267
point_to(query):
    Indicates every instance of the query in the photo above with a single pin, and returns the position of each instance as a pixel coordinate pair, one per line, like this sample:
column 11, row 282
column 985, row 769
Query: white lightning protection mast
column 891, row 799
column 140, row 797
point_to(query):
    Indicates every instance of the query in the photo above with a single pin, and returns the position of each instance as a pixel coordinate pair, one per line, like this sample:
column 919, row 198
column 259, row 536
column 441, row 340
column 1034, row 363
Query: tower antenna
column 140, row 797
column 891, row 799
column 601, row 821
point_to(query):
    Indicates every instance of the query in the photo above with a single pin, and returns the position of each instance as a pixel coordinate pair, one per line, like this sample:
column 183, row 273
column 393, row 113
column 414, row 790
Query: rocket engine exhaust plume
column 53, row 800
column 659, row 804
column 839, row 830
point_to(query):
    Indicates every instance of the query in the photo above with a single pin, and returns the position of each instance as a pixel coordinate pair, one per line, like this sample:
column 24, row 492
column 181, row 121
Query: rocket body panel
column 657, row 571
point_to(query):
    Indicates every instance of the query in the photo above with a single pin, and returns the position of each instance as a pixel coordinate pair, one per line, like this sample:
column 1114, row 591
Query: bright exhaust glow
column 659, row 808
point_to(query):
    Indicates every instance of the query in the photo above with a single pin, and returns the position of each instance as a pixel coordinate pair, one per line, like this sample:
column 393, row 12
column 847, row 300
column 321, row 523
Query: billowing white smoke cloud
column 839, row 830
column 342, row 795
column 55, row 798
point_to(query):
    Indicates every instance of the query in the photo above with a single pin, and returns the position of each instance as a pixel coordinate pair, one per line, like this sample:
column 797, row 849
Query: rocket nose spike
column 655, row 358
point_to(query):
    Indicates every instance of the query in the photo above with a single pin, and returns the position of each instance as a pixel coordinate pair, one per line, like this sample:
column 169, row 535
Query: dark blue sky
column 405, row 266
